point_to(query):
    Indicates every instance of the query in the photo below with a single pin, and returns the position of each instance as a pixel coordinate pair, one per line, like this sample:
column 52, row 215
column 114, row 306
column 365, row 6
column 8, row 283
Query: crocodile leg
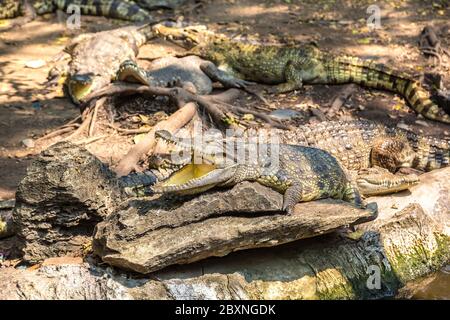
column 292, row 196
column 293, row 80
column 225, row 78
column 352, row 195
column 392, row 154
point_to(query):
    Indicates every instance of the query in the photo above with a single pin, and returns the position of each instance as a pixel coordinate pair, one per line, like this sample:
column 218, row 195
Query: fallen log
column 67, row 192
column 147, row 236
column 329, row 267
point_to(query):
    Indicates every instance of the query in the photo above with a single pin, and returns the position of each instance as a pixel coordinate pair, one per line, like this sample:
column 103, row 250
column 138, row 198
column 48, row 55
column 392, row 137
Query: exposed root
column 91, row 140
column 60, row 131
column 98, row 103
column 81, row 128
column 173, row 123
column 430, row 45
column 210, row 103
column 129, row 131
column 265, row 117
column 340, row 99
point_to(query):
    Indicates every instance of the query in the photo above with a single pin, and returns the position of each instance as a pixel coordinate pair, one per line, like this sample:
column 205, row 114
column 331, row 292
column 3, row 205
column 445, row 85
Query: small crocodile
column 371, row 152
column 301, row 174
column 118, row 9
column 96, row 58
column 289, row 67
column 169, row 71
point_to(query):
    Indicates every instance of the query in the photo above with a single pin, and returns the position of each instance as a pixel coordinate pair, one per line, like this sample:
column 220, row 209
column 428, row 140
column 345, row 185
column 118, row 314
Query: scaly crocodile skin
column 96, row 57
column 289, row 67
column 167, row 72
column 359, row 145
column 302, row 174
column 119, row 9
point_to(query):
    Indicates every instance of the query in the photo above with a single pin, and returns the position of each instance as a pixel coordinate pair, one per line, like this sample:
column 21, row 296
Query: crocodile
column 287, row 68
column 372, row 153
column 118, row 9
column 300, row 173
column 96, row 58
column 169, row 71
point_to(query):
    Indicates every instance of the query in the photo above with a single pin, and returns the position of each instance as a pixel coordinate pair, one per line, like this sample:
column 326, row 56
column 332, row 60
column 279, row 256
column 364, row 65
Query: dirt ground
column 27, row 110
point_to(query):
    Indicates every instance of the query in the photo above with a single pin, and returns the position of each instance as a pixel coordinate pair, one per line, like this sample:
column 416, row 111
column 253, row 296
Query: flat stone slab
column 147, row 235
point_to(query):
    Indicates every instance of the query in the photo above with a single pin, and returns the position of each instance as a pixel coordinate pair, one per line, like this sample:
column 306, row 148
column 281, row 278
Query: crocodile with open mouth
column 371, row 152
column 300, row 173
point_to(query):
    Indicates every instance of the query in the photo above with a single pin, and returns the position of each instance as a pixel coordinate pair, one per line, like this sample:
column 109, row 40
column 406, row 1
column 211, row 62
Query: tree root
column 129, row 131
column 173, row 123
column 211, row 103
column 87, row 141
column 99, row 102
column 340, row 99
column 215, row 105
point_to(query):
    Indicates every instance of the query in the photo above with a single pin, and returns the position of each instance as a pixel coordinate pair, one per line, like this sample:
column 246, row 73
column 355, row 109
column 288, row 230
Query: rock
column 432, row 193
column 29, row 143
column 285, row 114
column 145, row 236
column 65, row 193
column 76, row 282
column 6, row 224
column 35, row 64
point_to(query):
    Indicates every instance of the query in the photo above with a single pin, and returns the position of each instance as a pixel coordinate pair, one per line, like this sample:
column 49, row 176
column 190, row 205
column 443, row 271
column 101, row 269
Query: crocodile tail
column 10, row 9
column 370, row 74
column 431, row 153
column 117, row 9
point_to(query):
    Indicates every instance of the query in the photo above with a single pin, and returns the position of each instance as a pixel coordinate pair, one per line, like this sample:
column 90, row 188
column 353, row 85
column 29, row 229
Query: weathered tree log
column 68, row 191
column 65, row 193
column 149, row 235
column 75, row 280
column 328, row 267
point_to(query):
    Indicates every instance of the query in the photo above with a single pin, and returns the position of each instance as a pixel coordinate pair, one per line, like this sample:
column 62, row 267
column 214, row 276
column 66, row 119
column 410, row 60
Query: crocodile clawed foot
column 272, row 90
column 240, row 84
column 351, row 234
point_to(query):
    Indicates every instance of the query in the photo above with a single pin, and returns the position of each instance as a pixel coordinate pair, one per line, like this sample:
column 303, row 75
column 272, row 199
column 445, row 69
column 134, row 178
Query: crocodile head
column 379, row 181
column 129, row 71
column 80, row 85
column 194, row 176
column 187, row 37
